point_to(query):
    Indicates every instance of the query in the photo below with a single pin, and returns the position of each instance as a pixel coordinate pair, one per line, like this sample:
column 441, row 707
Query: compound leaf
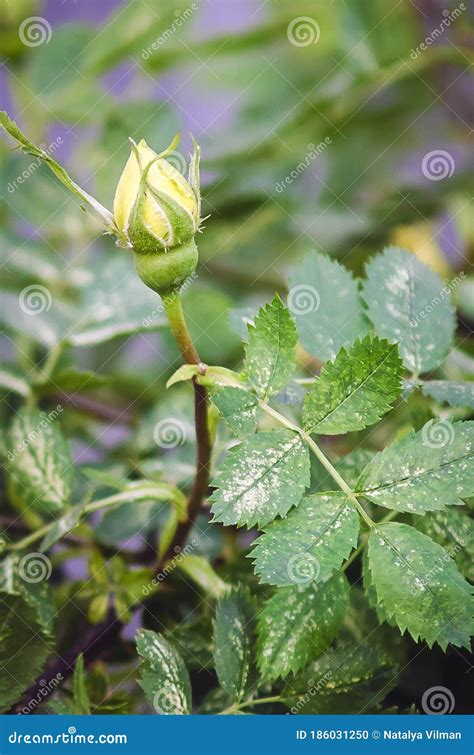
column 296, row 626
column 270, row 354
column 238, row 407
column 309, row 544
column 355, row 390
column 315, row 284
column 233, row 640
column 419, row 586
column 424, row 471
column 40, row 468
column 408, row 303
column 262, row 477
column 164, row 676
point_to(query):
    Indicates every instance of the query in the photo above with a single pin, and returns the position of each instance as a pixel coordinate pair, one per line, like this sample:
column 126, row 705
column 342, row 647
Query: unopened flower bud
column 158, row 211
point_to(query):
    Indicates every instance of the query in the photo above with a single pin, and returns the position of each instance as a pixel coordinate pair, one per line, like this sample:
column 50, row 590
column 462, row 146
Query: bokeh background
column 328, row 124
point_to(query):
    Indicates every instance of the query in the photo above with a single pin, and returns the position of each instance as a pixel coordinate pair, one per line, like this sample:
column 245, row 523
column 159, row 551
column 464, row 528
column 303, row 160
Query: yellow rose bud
column 157, row 212
column 154, row 205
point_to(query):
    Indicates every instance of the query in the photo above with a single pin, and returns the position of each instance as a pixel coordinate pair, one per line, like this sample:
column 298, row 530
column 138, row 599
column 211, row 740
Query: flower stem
column 179, row 328
column 321, row 456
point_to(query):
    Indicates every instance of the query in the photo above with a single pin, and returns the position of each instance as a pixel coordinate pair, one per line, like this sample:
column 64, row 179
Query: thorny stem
column 179, row 328
column 321, row 457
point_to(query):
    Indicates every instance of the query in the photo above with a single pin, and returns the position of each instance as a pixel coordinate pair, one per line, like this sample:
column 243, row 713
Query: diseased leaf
column 450, row 392
column 163, row 675
column 61, row 526
column 296, row 626
column 325, row 302
column 233, row 641
column 355, row 390
column 419, row 586
column 238, row 407
column 270, row 354
column 424, row 471
column 40, row 467
column 309, row 544
column 262, row 477
column 351, row 679
column 27, row 576
column 24, row 648
column 408, row 303
column 454, row 530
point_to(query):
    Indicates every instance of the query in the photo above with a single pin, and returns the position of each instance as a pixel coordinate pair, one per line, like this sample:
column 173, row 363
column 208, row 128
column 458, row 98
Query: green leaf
column 351, row 679
column 355, row 390
column 296, row 626
column 233, row 641
column 200, row 571
column 81, row 698
column 450, row 392
column 24, row 648
column 424, row 471
column 454, row 530
column 61, row 526
column 238, row 407
column 40, row 468
column 12, row 379
column 316, row 284
column 115, row 302
column 104, row 215
column 164, row 677
column 408, row 303
column 270, row 354
column 27, row 576
column 262, row 477
column 309, row 544
column 419, row 586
